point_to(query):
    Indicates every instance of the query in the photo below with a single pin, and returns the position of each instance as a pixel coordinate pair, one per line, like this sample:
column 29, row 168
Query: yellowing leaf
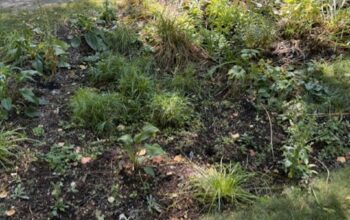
column 142, row 152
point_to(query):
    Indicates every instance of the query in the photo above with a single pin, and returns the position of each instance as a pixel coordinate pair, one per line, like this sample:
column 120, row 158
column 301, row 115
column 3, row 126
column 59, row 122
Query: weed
column 135, row 85
column 109, row 69
column 298, row 147
column 323, row 200
column 122, row 40
column 39, row 131
column 133, row 145
column 185, row 81
column 222, row 185
column 175, row 47
column 59, row 205
column 170, row 109
column 60, row 157
column 9, row 141
column 13, row 92
column 98, row 111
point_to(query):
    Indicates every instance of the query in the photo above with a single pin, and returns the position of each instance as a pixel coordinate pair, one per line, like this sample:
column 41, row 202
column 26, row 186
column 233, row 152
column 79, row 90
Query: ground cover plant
column 150, row 109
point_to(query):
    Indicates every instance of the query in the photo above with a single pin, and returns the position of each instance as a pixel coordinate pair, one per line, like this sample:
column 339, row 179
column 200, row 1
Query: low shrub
column 109, row 69
column 9, row 141
column 170, row 109
column 98, row 111
column 222, row 185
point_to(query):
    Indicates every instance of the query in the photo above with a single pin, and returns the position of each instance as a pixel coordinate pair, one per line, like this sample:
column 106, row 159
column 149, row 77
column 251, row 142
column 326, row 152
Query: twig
column 271, row 133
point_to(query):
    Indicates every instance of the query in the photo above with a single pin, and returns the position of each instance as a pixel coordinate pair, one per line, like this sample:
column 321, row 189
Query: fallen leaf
column 179, row 159
column 142, row 152
column 348, row 197
column 235, row 136
column 10, row 212
column 252, row 153
column 3, row 194
column 341, row 159
column 85, row 160
column 158, row 159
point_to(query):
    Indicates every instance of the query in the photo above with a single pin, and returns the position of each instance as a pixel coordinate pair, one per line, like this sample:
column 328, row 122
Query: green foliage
column 15, row 94
column 9, row 141
column 98, row 111
column 109, row 69
column 59, row 205
column 185, row 81
column 44, row 52
column 122, row 40
column 170, row 109
column 299, row 17
column 297, row 149
column 332, row 138
column 61, row 157
column 221, row 186
column 135, row 85
column 133, row 144
column 333, row 86
column 323, row 200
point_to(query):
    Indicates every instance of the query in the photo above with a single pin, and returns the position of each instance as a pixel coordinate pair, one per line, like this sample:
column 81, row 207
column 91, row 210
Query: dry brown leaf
column 3, row 194
column 252, row 153
column 10, row 212
column 141, row 152
column 85, row 160
column 179, row 159
column 158, row 159
column 341, row 159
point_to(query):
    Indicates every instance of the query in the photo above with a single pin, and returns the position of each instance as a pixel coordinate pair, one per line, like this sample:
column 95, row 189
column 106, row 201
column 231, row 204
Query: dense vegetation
column 176, row 110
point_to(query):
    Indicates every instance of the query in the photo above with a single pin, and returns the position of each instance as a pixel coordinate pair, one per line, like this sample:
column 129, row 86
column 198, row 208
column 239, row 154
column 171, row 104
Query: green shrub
column 122, row 40
column 335, row 82
column 98, row 111
column 256, row 31
column 299, row 17
column 9, row 141
column 222, row 185
column 223, row 15
column 185, row 81
column 14, row 93
column 322, row 200
column 135, row 85
column 109, row 69
column 170, row 109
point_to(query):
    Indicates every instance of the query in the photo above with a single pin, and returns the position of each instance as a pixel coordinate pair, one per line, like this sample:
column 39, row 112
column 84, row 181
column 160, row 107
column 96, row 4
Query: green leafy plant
column 61, row 156
column 108, row 69
column 185, row 81
column 59, row 205
column 222, row 185
column 297, row 149
column 170, row 109
column 98, row 111
column 9, row 141
column 133, row 144
column 14, row 94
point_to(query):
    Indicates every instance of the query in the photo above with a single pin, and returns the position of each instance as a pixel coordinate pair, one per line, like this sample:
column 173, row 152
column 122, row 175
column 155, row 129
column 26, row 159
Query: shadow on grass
column 323, row 201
